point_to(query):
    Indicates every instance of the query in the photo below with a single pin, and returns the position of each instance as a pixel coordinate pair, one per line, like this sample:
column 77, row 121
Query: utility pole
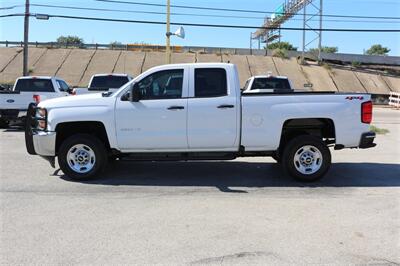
column 320, row 32
column 168, row 35
column 25, row 71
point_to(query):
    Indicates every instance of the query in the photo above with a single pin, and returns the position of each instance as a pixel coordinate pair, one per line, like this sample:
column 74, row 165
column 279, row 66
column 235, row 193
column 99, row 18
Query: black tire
column 277, row 158
column 91, row 142
column 3, row 123
column 291, row 164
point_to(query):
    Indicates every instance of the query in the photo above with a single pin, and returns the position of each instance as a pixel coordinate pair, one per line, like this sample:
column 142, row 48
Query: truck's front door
column 158, row 121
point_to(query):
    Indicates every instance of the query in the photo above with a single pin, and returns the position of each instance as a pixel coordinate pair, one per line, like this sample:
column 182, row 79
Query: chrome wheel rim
column 81, row 158
column 308, row 160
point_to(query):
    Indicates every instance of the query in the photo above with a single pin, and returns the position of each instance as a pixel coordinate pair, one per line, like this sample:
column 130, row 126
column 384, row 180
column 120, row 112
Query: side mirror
column 135, row 94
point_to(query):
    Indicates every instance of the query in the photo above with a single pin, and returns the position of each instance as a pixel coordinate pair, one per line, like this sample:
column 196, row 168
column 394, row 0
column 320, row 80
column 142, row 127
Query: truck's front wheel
column 82, row 157
column 306, row 158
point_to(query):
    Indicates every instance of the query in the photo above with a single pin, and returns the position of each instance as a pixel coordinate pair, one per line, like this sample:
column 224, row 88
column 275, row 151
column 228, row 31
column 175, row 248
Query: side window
column 166, row 84
column 63, row 86
column 210, row 82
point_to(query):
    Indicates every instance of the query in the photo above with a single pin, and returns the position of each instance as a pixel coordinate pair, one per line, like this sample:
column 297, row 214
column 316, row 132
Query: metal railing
column 394, row 99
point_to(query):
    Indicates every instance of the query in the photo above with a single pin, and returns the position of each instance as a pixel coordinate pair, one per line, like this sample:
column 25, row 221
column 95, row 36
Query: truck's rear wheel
column 306, row 158
column 82, row 157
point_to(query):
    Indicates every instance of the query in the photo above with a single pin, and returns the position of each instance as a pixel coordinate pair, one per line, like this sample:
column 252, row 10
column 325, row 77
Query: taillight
column 73, row 92
column 366, row 112
column 36, row 98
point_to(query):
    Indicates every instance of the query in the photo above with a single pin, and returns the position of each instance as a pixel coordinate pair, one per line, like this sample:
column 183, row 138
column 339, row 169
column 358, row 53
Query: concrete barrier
column 75, row 65
column 13, row 70
column 393, row 82
column 261, row 65
column 291, row 69
column 373, row 83
column 130, row 63
column 346, row 81
column 243, row 67
column 50, row 62
column 102, row 62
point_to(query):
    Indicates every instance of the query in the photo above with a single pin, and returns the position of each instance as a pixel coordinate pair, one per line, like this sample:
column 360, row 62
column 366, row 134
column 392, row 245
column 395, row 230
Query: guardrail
column 394, row 99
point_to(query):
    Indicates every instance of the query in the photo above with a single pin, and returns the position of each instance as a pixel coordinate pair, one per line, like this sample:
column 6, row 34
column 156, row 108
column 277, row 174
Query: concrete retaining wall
column 346, row 81
column 102, row 62
column 51, row 62
column 76, row 66
column 13, row 69
column 291, row 69
column 373, row 83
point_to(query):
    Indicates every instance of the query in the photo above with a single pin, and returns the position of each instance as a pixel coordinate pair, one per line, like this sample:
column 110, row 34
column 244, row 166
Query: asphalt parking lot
column 236, row 212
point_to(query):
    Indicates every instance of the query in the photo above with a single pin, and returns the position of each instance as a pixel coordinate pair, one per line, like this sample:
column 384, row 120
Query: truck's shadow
column 236, row 174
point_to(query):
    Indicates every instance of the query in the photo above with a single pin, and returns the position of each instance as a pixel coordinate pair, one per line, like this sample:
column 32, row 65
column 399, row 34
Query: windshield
column 106, row 82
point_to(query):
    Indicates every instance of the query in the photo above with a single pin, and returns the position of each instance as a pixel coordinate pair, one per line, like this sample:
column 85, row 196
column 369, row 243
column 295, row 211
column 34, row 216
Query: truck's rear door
column 212, row 108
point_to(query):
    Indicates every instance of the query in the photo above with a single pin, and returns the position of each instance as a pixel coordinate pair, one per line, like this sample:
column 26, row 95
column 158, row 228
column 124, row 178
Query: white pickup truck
column 14, row 103
column 197, row 112
column 104, row 82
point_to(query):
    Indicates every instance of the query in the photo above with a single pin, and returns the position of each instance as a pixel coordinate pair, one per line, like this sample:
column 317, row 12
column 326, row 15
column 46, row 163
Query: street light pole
column 168, row 35
column 26, row 35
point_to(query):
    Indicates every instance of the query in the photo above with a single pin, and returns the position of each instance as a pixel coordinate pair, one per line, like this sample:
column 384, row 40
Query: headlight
column 41, row 118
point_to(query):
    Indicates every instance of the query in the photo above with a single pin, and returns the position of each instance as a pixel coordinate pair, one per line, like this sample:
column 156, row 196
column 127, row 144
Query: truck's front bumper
column 367, row 140
column 38, row 142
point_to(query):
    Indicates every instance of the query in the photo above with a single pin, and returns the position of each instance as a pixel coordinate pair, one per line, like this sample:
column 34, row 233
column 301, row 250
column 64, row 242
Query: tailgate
column 15, row 101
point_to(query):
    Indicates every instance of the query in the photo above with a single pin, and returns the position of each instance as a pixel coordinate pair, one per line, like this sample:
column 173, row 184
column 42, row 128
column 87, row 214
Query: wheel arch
column 323, row 128
column 66, row 129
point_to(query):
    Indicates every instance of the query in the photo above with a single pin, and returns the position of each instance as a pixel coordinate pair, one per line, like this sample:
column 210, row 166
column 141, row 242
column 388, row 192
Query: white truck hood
column 94, row 99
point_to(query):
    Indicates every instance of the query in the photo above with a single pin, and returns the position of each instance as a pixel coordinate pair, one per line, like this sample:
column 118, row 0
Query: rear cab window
column 210, row 82
column 34, row 85
column 106, row 82
column 270, row 83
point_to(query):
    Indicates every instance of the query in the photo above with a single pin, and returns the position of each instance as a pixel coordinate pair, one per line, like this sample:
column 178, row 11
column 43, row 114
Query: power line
column 239, row 10
column 182, row 14
column 10, row 7
column 189, row 14
column 209, row 25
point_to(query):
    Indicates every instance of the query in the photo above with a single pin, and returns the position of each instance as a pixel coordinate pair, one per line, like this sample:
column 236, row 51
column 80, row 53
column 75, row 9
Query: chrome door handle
column 224, row 106
column 174, row 107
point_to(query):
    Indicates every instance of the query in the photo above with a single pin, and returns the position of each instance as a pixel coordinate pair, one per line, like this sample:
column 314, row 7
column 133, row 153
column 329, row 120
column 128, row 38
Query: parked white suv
column 197, row 112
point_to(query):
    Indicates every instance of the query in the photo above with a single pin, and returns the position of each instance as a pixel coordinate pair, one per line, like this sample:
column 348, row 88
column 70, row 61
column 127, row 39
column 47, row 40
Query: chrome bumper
column 44, row 143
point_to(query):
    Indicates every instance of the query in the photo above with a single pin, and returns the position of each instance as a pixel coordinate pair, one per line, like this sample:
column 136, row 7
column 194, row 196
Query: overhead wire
column 211, row 25
column 239, row 10
column 190, row 14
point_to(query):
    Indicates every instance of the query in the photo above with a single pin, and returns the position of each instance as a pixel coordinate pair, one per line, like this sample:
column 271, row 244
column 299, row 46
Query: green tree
column 281, row 45
column 378, row 49
column 70, row 40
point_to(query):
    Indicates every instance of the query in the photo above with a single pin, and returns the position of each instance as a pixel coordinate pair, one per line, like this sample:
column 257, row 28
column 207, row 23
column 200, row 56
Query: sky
column 105, row 32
